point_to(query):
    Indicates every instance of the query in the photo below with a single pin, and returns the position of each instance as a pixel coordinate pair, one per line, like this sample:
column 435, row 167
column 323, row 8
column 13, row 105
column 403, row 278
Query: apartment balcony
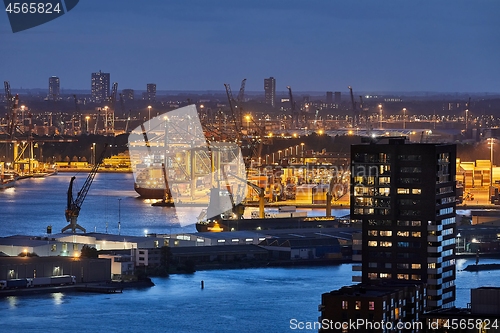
column 357, row 257
column 434, row 292
column 436, row 260
column 435, row 282
column 434, row 249
column 435, row 227
column 434, row 238
column 356, row 268
column 435, row 270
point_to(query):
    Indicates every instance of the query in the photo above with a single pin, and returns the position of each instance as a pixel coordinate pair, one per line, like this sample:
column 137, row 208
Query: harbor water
column 242, row 300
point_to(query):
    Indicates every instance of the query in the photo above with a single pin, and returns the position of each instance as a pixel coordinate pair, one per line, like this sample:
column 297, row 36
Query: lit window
column 415, row 266
column 345, row 305
column 386, row 244
column 386, row 233
column 385, row 275
column 53, row 248
column 416, row 191
column 221, row 241
column 403, row 234
column 372, row 243
column 403, row 191
column 372, row 276
column 403, row 277
column 416, row 234
column 358, row 305
column 372, row 232
column 415, row 277
column 371, row 305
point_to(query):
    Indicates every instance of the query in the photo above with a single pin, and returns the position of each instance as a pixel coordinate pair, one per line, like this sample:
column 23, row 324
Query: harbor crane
column 295, row 114
column 355, row 112
column 75, row 204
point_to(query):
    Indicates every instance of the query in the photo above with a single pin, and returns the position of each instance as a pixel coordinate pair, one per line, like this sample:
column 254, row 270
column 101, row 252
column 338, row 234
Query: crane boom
column 74, row 205
column 230, row 100
column 295, row 115
column 355, row 114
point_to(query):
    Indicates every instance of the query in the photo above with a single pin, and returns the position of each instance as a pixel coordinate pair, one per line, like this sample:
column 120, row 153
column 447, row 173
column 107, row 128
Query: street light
column 149, row 117
column 404, row 118
column 492, row 140
column 93, row 153
column 248, row 117
column 380, row 108
column 87, row 118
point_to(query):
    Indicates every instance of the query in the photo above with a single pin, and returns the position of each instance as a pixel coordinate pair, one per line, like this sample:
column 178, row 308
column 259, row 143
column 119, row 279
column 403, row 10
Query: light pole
column 87, row 118
column 247, row 117
column 119, row 214
column 492, row 140
column 302, row 151
column 149, row 117
column 93, row 154
column 380, row 110
column 404, row 118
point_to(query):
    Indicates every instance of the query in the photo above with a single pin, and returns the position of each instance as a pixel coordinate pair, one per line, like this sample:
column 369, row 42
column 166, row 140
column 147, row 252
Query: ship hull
column 267, row 224
column 149, row 193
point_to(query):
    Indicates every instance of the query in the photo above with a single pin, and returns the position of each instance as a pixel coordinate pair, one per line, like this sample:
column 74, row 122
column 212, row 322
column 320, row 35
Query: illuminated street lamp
column 492, row 141
column 380, row 110
column 404, row 118
column 87, row 118
column 149, row 117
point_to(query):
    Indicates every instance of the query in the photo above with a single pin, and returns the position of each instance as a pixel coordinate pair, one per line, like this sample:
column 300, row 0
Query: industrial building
column 84, row 269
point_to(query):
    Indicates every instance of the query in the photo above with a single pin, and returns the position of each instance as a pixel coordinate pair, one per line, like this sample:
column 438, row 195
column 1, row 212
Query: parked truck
column 14, row 283
column 52, row 281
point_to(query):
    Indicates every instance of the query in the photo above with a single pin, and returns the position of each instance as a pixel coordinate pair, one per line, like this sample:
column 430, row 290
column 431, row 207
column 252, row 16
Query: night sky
column 313, row 45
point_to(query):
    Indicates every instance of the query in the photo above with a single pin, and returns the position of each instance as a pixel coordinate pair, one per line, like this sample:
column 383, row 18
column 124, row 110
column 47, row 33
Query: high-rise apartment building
column 151, row 92
column 128, row 94
column 270, row 91
column 329, row 97
column 100, row 85
column 338, row 97
column 54, row 88
column 404, row 195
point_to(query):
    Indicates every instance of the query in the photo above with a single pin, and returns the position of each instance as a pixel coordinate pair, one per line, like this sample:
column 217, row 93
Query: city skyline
column 425, row 46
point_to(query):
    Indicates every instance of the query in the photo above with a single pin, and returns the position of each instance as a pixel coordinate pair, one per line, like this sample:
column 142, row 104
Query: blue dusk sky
column 311, row 45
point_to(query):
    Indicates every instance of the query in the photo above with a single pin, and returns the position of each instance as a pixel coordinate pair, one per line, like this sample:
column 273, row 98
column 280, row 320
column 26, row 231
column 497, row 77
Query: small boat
column 7, row 183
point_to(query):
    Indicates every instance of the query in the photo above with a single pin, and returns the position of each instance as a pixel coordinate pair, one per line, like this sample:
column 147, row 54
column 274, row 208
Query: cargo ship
column 149, row 181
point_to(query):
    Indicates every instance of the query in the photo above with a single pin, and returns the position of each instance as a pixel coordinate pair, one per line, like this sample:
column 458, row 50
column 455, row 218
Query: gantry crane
column 75, row 204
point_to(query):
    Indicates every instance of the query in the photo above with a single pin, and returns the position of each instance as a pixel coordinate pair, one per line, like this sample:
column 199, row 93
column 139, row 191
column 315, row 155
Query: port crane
column 355, row 112
column 295, row 114
column 75, row 204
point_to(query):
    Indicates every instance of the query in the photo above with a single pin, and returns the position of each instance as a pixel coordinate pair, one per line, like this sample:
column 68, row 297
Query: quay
column 99, row 289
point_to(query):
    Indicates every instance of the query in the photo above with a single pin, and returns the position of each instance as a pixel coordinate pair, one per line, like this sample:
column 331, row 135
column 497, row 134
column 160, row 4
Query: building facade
column 151, row 92
column 100, row 86
column 404, row 196
column 373, row 308
column 270, row 91
column 54, row 88
column 128, row 94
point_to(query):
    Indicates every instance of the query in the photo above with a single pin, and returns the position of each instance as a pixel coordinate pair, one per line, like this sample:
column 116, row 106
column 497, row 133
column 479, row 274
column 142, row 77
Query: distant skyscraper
column 100, row 87
column 270, row 91
column 337, row 97
column 329, row 97
column 128, row 94
column 54, row 88
column 151, row 92
column 404, row 196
